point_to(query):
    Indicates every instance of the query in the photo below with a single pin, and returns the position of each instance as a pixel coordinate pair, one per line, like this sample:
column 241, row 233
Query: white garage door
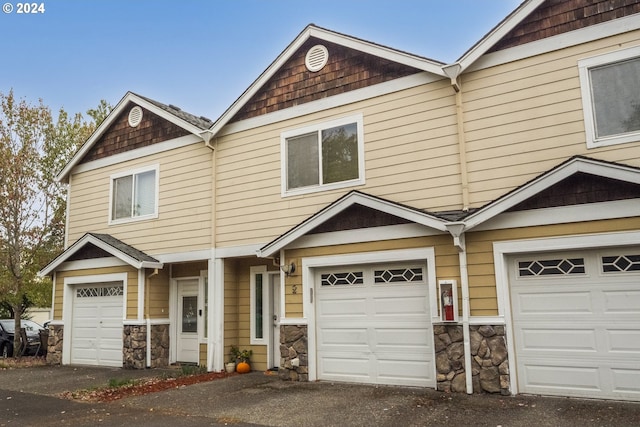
column 96, row 337
column 576, row 320
column 374, row 326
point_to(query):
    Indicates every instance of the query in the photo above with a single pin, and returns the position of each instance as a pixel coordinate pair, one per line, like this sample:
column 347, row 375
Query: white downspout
column 456, row 229
column 466, row 312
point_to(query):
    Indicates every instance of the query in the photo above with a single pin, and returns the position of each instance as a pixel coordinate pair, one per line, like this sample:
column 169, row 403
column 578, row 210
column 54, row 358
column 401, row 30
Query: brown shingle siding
column 120, row 137
column 346, row 70
column 556, row 17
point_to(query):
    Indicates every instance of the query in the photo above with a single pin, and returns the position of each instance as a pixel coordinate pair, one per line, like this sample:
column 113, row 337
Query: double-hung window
column 134, row 195
column 322, row 157
column 610, row 86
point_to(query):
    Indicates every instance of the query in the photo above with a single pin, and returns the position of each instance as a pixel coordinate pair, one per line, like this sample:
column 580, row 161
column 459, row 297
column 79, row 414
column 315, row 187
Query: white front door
column 275, row 315
column 374, row 325
column 188, row 348
column 576, row 323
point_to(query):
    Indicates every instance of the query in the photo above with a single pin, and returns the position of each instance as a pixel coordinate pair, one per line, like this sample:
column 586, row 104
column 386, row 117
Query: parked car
column 7, row 334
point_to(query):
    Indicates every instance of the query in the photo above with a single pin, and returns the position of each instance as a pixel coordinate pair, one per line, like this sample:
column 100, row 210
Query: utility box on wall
column 448, row 296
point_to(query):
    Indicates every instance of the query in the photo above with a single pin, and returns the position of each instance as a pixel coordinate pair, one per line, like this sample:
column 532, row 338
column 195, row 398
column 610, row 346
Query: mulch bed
column 141, row 387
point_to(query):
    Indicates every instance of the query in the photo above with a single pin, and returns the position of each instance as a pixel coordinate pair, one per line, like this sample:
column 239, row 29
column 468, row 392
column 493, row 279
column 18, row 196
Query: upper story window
column 611, row 97
column 134, row 195
column 322, row 157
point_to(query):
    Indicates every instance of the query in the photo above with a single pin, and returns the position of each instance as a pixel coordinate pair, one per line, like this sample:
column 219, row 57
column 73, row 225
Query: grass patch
column 186, row 370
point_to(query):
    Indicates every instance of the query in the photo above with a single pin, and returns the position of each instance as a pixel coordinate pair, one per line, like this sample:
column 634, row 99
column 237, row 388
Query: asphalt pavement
column 32, row 397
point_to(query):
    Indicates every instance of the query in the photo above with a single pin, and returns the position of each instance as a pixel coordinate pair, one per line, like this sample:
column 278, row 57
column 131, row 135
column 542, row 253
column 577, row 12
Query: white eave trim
column 580, row 164
column 129, row 97
column 495, row 35
column 353, row 198
column 320, row 33
column 88, row 238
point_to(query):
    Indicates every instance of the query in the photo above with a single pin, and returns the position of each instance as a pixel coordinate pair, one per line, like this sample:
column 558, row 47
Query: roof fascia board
column 332, row 210
column 88, row 238
column 129, row 97
column 379, row 50
column 590, row 166
column 561, row 41
column 313, row 31
column 496, row 34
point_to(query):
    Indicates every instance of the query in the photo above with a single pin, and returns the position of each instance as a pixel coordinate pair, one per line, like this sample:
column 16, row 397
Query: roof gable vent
column 135, row 116
column 316, row 58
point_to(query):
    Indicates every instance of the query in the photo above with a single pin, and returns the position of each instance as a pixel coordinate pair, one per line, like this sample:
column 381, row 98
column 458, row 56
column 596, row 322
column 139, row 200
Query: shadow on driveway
column 258, row 399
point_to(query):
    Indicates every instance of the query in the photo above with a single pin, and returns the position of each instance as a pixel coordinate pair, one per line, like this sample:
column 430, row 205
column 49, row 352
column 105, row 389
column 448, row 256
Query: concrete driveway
column 28, row 397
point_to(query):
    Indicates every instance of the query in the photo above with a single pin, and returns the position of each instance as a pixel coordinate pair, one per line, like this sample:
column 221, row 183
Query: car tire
column 5, row 352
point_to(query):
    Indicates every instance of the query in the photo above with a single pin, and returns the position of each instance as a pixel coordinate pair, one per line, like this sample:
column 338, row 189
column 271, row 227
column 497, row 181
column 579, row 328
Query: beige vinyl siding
column 230, row 307
column 157, row 294
column 237, row 310
column 132, row 282
column 482, row 282
column 411, row 157
column 525, row 117
column 184, row 208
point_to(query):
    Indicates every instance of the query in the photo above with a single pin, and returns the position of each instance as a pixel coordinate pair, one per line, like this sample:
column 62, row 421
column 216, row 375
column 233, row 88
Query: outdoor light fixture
column 288, row 269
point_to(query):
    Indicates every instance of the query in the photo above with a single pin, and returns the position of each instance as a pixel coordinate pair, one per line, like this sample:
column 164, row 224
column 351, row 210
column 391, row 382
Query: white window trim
column 358, row 119
column 584, row 66
column 254, row 271
column 115, row 176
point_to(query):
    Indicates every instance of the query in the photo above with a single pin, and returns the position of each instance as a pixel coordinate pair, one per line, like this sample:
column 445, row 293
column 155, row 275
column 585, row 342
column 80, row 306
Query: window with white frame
column 610, row 86
column 134, row 195
column 258, row 300
column 322, row 157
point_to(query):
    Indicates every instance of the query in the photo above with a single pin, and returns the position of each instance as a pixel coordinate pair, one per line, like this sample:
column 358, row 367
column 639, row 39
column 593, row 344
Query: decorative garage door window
column 102, row 291
column 342, row 278
column 620, row 263
column 398, row 275
column 547, row 267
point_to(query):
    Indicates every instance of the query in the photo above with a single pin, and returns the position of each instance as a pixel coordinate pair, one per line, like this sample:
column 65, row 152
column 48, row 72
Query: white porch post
column 215, row 338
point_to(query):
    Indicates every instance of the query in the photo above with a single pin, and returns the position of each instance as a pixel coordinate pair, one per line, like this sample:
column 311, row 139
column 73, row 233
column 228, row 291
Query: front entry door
column 188, row 348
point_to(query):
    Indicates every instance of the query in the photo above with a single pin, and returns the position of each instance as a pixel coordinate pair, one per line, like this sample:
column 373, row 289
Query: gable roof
column 110, row 245
column 415, row 61
column 345, row 202
column 191, row 123
column 576, row 164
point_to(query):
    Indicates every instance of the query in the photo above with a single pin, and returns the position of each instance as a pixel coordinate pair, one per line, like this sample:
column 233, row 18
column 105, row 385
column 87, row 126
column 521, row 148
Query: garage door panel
column 403, row 339
column 347, row 307
column 553, row 339
column 545, row 303
column 577, row 334
column 626, row 381
column 544, row 376
column 345, row 367
column 406, row 306
column 376, row 331
column 344, row 337
column 411, row 372
column 622, row 301
column 624, row 340
column 97, row 325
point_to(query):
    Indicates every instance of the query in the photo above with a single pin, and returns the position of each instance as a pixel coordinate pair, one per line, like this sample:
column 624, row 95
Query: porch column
column 215, row 338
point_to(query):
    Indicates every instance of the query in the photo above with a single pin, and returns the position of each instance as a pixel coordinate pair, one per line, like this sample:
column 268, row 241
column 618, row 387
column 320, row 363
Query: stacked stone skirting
column 489, row 361
column 134, row 348
column 294, row 356
column 54, row 344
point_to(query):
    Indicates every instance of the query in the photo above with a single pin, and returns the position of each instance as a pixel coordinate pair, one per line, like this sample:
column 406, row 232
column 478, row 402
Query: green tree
column 33, row 149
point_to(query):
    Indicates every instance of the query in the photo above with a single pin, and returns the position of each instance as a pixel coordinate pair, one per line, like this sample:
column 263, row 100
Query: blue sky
column 201, row 55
